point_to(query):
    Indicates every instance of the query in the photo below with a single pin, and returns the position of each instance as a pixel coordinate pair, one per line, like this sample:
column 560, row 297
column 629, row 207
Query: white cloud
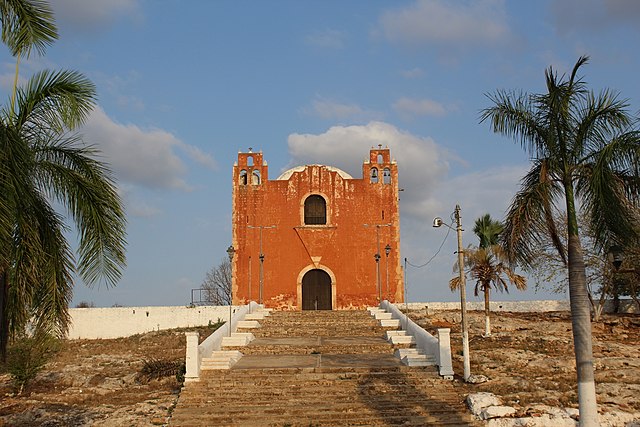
column 487, row 191
column 93, row 15
column 335, row 110
column 329, row 38
column 141, row 157
column 429, row 191
column 447, row 23
column 422, row 163
column 199, row 156
column 419, row 107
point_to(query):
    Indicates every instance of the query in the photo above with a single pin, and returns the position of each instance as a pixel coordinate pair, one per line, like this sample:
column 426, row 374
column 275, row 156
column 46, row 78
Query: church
column 315, row 238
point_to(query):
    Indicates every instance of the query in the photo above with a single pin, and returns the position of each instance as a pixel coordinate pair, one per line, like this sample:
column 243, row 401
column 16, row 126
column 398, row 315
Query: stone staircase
column 321, row 368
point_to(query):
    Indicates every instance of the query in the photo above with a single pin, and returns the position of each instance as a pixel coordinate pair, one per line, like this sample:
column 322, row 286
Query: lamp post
column 249, row 278
column 387, row 251
column 231, row 251
column 377, row 257
column 404, row 273
column 437, row 222
column 261, row 257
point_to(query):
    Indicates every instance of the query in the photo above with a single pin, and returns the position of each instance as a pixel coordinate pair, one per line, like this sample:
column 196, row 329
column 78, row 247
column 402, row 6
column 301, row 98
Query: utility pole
column 261, row 256
column 463, row 297
column 437, row 222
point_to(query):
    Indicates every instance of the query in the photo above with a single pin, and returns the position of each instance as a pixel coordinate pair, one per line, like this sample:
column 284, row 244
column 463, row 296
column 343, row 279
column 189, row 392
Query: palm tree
column 489, row 265
column 26, row 24
column 44, row 166
column 487, row 229
column 584, row 150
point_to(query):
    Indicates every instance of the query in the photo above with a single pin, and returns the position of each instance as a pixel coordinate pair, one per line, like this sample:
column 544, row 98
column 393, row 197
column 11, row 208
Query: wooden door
column 316, row 290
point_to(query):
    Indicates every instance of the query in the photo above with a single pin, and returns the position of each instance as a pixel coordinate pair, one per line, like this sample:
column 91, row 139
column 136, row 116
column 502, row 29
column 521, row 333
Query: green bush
column 27, row 355
column 156, row 369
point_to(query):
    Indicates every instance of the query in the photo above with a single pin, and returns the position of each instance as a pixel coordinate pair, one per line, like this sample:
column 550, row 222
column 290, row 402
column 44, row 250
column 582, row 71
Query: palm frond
column 527, row 221
column 53, row 102
column 86, row 187
column 26, row 25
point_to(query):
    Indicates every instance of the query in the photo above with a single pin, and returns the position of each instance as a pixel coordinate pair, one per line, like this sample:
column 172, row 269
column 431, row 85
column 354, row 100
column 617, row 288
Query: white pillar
column 192, row 362
column 444, row 353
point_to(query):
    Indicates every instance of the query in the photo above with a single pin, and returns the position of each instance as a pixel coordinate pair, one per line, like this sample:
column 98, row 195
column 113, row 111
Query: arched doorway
column 316, row 290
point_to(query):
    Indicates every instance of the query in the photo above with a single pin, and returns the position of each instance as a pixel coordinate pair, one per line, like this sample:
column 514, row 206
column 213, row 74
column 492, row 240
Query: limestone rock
column 477, row 379
column 497, row 412
column 617, row 418
column 479, row 401
column 545, row 420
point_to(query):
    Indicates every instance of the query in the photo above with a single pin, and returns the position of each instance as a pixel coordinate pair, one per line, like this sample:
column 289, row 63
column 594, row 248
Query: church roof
column 287, row 174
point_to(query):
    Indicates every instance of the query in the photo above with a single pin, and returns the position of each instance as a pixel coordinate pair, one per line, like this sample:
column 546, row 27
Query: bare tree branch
column 217, row 284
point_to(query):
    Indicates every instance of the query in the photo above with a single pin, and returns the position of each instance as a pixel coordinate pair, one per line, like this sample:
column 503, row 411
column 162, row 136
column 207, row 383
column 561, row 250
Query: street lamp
column 437, row 222
column 261, row 257
column 377, row 257
column 387, row 251
column 231, row 251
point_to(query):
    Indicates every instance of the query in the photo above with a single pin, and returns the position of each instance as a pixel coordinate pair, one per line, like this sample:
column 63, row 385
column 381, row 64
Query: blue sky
column 183, row 86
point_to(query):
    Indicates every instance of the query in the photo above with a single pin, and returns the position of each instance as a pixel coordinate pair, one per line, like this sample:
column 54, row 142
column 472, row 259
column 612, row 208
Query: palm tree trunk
column 580, row 318
column 487, row 321
column 4, row 317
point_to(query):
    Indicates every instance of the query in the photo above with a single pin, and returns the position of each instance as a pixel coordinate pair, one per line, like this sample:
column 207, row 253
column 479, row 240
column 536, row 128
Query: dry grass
column 529, row 358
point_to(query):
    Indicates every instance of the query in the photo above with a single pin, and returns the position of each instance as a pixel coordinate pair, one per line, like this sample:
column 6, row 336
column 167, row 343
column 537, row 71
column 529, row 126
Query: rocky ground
column 528, row 361
column 98, row 383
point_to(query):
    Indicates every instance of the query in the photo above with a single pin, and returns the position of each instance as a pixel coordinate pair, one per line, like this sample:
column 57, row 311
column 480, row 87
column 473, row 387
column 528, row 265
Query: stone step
column 414, row 357
column 390, row 323
column 255, row 316
column 293, row 350
column 382, row 316
column 323, row 368
column 394, row 333
column 350, row 418
column 402, row 339
column 237, row 339
column 248, row 324
column 220, row 360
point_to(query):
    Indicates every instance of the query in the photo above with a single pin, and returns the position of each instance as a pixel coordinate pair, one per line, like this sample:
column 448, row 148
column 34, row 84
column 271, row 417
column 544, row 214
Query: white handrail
column 439, row 348
column 195, row 353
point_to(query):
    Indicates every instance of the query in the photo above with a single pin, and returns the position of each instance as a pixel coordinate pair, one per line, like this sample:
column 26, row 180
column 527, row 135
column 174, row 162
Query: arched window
column 374, row 175
column 255, row 177
column 243, row 177
column 386, row 176
column 249, row 160
column 380, row 159
column 315, row 210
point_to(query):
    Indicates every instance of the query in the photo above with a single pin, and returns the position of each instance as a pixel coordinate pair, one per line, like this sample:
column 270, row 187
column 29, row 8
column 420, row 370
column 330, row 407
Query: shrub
column 156, row 369
column 85, row 304
column 27, row 356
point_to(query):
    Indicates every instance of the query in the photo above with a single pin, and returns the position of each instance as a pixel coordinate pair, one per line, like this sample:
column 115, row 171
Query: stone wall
column 541, row 306
column 118, row 322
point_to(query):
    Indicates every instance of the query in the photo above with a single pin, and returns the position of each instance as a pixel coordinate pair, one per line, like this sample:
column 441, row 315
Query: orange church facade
column 315, row 237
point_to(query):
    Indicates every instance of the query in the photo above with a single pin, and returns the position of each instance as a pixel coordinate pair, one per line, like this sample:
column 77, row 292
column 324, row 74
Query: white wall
column 117, row 322
column 626, row 306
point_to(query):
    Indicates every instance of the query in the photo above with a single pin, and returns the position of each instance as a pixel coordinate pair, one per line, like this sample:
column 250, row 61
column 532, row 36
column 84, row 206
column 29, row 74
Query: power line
column 434, row 255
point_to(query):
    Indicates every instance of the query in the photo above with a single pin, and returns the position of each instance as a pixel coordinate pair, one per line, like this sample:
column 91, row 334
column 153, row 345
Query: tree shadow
column 399, row 398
